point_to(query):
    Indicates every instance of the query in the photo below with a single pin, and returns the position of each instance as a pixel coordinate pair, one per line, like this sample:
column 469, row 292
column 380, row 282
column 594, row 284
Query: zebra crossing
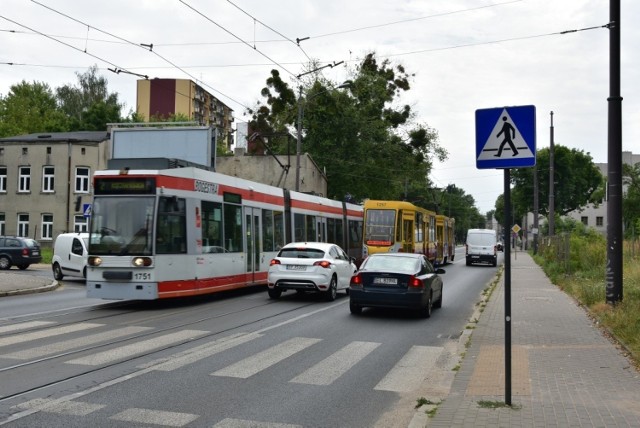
column 405, row 376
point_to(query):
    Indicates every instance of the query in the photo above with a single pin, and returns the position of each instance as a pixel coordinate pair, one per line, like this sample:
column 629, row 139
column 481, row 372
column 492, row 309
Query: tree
column 89, row 105
column 578, row 182
column 29, row 108
column 631, row 199
column 369, row 145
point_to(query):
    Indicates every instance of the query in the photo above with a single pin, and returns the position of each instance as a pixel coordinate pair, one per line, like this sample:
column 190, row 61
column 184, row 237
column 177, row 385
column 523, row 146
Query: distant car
column 310, row 266
column 481, row 247
column 70, row 253
column 396, row 280
column 18, row 251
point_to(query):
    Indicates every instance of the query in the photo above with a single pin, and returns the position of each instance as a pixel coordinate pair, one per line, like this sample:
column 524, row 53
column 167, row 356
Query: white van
column 70, row 255
column 481, row 246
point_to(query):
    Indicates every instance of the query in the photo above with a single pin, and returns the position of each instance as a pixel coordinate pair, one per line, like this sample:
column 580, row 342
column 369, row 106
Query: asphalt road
column 227, row 360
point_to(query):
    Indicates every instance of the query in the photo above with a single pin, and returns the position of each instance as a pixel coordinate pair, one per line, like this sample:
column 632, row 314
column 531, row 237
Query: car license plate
column 36, row 253
column 385, row 281
column 296, row 267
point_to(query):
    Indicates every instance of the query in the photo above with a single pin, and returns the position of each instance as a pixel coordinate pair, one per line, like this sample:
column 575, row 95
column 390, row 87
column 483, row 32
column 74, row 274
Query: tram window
column 312, row 233
column 298, row 224
column 267, row 231
column 211, row 225
column 233, row 228
column 278, row 229
column 172, row 226
column 355, row 234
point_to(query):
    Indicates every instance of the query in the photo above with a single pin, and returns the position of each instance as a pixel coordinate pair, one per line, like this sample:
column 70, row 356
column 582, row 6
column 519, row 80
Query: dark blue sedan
column 396, row 280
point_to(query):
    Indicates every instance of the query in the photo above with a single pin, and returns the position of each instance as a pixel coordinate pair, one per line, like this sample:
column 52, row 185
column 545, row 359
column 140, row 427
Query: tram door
column 321, row 229
column 253, row 232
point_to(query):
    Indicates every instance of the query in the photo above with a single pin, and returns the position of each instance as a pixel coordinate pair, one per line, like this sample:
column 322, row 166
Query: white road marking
column 192, row 355
column 72, row 408
column 27, row 337
column 241, row 423
column 334, row 366
column 24, row 326
column 411, row 370
column 262, row 360
column 66, row 345
column 155, row 417
column 136, row 348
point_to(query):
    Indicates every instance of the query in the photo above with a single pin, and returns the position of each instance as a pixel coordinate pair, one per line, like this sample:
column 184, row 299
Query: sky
column 465, row 55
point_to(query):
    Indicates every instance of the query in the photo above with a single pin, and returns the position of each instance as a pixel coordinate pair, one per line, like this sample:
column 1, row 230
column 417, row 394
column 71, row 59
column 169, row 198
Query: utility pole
column 299, row 141
column 614, row 163
column 552, row 210
column 536, row 207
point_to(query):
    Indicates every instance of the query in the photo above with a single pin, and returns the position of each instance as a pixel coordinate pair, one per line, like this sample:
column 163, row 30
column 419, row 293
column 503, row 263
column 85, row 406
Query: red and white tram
column 179, row 232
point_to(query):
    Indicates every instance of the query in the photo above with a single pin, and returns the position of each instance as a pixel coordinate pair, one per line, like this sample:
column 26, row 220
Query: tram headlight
column 142, row 261
column 94, row 261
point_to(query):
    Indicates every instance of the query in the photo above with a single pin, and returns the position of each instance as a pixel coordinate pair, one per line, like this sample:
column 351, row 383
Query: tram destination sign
column 125, row 186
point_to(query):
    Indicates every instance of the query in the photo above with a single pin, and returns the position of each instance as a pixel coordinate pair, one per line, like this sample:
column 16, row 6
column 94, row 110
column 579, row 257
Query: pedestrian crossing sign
column 506, row 137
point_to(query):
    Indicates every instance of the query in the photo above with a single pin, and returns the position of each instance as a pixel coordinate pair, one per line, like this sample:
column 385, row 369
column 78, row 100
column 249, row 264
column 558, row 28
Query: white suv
column 310, row 266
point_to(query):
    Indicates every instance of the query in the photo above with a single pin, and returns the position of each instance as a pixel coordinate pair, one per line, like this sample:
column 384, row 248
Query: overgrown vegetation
column 580, row 272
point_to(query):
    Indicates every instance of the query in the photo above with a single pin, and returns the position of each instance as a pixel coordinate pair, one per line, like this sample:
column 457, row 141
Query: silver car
column 310, row 266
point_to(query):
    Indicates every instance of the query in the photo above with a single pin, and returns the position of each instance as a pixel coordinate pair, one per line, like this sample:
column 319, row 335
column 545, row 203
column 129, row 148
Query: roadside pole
column 507, row 287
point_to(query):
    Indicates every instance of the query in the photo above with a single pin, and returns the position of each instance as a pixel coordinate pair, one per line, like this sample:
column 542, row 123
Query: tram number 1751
column 142, row 276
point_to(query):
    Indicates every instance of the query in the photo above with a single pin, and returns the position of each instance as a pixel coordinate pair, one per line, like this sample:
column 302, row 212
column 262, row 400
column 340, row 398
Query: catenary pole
column 614, row 163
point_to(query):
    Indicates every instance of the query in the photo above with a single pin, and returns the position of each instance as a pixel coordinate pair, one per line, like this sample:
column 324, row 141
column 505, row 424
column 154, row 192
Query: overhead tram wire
column 265, row 25
column 229, row 32
column 75, row 48
column 148, row 47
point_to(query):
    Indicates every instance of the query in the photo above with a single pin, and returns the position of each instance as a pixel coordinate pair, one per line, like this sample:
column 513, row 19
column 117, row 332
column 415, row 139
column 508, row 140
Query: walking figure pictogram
column 509, row 132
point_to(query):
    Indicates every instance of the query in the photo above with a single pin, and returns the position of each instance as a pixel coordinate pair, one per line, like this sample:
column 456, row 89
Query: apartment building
column 164, row 97
column 45, row 182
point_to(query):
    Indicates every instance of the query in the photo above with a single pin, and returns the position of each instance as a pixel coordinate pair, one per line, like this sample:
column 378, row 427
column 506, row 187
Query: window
column 599, row 221
column 48, row 175
column 2, row 225
column 272, row 230
column 47, row 226
column 48, row 150
column 211, row 227
column 171, row 232
column 25, row 151
column 585, row 220
column 80, row 224
column 233, row 228
column 3, row 179
column 23, row 225
column 24, row 179
column 82, row 180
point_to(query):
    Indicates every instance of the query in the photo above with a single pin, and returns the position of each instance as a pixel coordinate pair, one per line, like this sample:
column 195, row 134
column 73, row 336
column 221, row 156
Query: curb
column 54, row 285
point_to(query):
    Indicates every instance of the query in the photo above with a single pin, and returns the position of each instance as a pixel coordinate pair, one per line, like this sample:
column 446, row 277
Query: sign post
column 505, row 139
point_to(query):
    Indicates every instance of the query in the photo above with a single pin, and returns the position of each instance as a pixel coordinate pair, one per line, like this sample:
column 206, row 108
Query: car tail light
column 415, row 282
column 323, row 263
column 356, row 279
column 274, row 262
column 25, row 252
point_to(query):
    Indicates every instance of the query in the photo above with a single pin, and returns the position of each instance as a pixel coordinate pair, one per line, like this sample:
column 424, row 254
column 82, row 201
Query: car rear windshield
column 301, row 253
column 485, row 239
column 397, row 264
column 31, row 243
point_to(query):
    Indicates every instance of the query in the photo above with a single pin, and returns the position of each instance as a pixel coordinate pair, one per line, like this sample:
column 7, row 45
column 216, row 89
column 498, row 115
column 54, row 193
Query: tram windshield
column 122, row 225
column 379, row 227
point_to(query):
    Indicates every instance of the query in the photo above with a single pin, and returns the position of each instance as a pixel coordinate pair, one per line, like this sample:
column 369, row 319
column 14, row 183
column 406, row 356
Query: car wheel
column 355, row 309
column 57, row 272
column 495, row 263
column 23, row 267
column 5, row 263
column 438, row 303
column 274, row 293
column 330, row 294
column 426, row 311
column 468, row 263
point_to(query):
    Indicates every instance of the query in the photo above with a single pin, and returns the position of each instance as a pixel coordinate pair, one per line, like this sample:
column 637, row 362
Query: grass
column 582, row 276
column 47, row 254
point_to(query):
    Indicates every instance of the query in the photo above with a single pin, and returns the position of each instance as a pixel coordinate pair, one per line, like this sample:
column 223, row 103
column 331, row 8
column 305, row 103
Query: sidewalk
column 13, row 283
column 564, row 371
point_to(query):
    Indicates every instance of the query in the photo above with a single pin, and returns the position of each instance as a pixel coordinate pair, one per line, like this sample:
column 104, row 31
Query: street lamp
column 299, row 136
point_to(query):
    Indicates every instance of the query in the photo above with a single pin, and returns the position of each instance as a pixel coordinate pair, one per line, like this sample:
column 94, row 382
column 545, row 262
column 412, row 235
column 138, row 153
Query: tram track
column 140, row 336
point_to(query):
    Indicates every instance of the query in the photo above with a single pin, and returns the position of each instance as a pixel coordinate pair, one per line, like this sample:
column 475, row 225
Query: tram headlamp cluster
column 142, row 261
column 94, row 261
